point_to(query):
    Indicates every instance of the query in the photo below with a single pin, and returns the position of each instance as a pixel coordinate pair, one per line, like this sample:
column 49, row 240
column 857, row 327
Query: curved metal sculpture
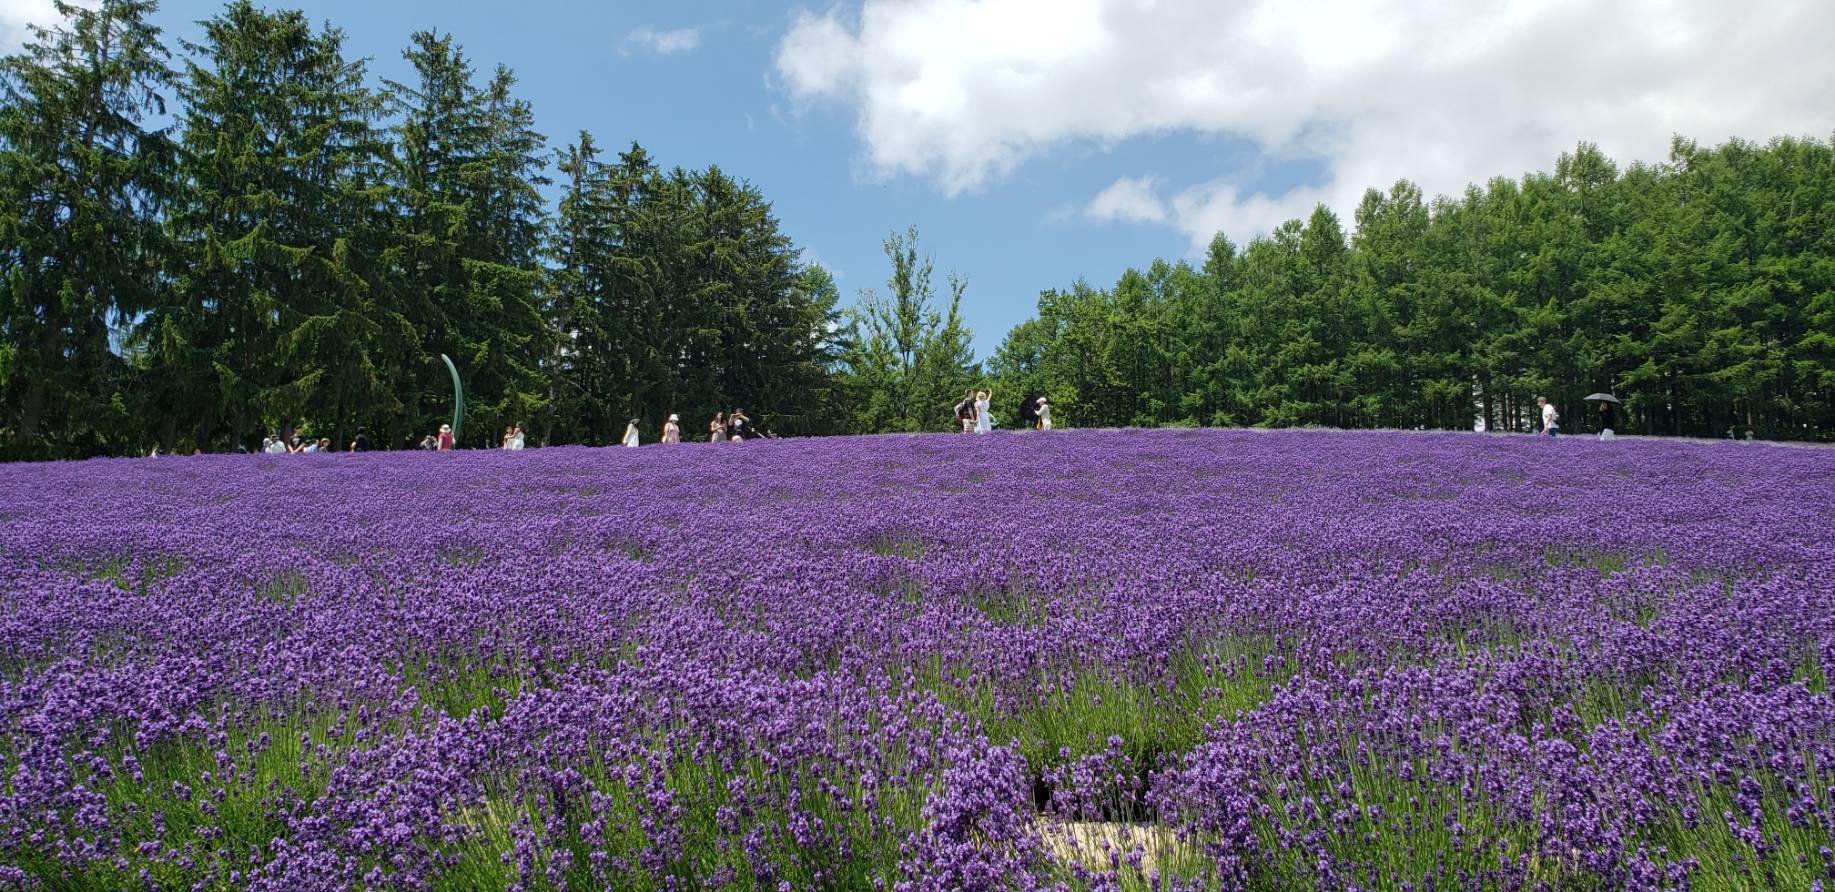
column 458, row 398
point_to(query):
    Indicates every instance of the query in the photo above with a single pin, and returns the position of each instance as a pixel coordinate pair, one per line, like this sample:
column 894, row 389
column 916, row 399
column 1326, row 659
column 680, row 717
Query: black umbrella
column 1602, row 397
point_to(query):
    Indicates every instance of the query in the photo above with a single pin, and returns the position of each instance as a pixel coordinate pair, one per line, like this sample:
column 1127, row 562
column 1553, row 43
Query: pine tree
column 274, row 320
column 470, row 225
column 81, row 185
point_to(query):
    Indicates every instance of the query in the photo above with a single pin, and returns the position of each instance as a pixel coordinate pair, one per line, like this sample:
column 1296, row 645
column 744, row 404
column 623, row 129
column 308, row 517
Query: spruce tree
column 278, row 316
column 82, row 179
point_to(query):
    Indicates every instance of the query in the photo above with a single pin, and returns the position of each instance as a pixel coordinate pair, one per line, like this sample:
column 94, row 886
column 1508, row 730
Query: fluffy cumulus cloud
column 964, row 91
column 663, row 43
column 1128, row 200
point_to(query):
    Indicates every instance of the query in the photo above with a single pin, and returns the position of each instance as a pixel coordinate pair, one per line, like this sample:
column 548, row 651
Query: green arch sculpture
column 458, row 398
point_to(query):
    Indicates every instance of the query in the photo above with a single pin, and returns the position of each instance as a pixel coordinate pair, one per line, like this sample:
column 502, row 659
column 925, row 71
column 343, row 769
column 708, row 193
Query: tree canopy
column 1701, row 291
column 259, row 238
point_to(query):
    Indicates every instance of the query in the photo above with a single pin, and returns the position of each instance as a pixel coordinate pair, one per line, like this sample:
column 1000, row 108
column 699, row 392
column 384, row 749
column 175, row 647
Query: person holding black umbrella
column 1608, row 414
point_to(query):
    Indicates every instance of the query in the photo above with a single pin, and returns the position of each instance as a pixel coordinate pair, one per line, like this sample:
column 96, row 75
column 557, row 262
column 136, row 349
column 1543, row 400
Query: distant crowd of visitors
column 733, row 427
column 972, row 415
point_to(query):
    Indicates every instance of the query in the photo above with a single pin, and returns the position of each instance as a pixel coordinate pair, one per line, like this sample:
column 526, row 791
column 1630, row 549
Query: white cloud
column 964, row 91
column 15, row 15
column 662, row 43
column 1128, row 200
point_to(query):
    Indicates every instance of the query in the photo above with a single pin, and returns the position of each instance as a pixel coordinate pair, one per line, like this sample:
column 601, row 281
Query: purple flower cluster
column 1311, row 660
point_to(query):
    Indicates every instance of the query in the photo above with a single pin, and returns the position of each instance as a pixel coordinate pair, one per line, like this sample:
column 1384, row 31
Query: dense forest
column 1701, row 291
column 204, row 243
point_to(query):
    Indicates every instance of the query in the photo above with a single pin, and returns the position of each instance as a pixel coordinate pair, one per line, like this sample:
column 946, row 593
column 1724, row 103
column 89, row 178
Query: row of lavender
column 1275, row 660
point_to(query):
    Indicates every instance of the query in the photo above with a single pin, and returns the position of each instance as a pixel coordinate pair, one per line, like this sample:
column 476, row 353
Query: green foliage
column 300, row 249
column 81, row 184
column 677, row 293
column 906, row 360
column 298, row 257
column 1701, row 291
column 469, row 225
column 277, row 310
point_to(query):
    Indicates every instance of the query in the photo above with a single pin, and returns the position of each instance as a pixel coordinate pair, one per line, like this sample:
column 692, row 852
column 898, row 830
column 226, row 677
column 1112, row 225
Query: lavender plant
column 1253, row 660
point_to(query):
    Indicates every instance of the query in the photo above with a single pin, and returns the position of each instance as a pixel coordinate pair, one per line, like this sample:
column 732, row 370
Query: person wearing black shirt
column 1608, row 420
column 362, row 443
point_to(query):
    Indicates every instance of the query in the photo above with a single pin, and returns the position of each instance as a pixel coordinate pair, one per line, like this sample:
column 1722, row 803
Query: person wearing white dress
column 516, row 436
column 984, row 420
column 1044, row 414
column 672, row 431
column 630, row 434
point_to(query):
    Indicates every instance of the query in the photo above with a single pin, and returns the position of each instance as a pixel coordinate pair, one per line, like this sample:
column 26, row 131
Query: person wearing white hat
column 1044, row 414
column 672, row 431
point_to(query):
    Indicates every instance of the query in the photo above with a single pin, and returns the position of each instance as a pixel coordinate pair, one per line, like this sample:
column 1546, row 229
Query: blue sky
column 1034, row 142
column 716, row 104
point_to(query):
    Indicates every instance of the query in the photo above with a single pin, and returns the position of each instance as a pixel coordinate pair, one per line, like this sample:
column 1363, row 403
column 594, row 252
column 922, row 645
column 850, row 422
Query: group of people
column 1551, row 419
column 279, row 445
column 735, row 427
column 442, row 441
column 973, row 415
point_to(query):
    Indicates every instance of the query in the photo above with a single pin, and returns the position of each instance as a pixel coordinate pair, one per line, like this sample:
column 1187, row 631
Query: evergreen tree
column 1698, row 290
column 82, row 181
column 277, row 314
column 470, row 224
column 908, row 358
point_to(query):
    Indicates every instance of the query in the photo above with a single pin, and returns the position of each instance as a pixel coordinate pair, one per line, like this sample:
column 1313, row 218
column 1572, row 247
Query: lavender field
column 1080, row 660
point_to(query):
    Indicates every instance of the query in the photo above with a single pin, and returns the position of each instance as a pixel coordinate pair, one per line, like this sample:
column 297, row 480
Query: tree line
column 1701, row 291
column 251, row 235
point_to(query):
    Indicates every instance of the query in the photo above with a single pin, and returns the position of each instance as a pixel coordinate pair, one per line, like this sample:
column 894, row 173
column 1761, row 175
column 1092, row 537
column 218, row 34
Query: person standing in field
column 1608, row 420
column 444, row 443
column 508, row 432
column 965, row 411
column 984, row 419
column 516, row 436
column 735, row 423
column 1549, row 416
column 630, row 434
column 716, row 429
column 362, row 442
column 672, row 432
column 1044, row 414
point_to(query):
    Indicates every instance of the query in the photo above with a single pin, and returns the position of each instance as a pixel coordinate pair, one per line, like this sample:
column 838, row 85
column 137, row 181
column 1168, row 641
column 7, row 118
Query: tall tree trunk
column 37, row 393
column 33, row 411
